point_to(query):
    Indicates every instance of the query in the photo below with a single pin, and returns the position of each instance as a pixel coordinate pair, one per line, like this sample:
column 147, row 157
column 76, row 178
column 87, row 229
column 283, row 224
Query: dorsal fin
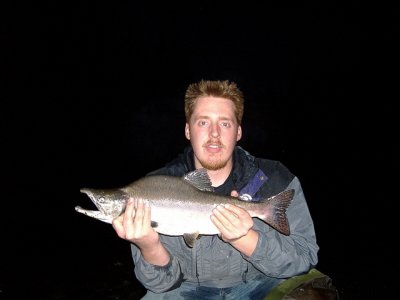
column 199, row 179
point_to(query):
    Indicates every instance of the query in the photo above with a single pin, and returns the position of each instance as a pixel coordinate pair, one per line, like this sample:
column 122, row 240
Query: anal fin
column 190, row 238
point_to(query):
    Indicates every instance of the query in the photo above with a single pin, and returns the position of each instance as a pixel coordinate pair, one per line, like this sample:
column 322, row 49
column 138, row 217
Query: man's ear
column 239, row 133
column 187, row 131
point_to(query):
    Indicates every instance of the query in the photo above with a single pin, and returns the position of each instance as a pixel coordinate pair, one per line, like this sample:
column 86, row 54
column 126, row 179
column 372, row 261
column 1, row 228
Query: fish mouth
column 86, row 211
column 89, row 194
column 85, row 191
column 92, row 198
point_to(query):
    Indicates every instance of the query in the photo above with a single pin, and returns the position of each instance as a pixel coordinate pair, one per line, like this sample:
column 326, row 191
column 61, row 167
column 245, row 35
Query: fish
column 182, row 206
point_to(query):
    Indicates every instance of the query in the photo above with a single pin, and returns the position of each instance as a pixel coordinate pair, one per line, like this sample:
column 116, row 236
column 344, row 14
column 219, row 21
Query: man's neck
column 219, row 176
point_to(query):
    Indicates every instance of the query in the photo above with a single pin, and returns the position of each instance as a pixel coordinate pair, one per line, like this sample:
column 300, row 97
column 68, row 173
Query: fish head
column 110, row 203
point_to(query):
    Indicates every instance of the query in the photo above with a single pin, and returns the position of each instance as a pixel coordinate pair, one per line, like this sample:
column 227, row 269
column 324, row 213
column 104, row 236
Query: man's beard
column 213, row 165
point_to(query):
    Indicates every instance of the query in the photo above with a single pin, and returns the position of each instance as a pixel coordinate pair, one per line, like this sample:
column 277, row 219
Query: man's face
column 213, row 132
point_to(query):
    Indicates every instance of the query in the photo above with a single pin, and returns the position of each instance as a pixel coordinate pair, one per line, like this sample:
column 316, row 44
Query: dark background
column 92, row 96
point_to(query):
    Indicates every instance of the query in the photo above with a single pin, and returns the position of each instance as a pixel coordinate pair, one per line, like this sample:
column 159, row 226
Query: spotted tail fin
column 278, row 205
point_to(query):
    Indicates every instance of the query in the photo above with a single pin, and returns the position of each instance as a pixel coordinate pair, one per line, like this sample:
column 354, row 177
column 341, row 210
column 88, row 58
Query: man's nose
column 215, row 131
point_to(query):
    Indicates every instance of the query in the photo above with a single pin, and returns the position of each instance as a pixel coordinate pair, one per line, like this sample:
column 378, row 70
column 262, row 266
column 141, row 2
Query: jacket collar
column 244, row 165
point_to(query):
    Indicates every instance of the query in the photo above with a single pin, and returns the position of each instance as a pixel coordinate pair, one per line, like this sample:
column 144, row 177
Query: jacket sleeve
column 155, row 278
column 158, row 279
column 283, row 256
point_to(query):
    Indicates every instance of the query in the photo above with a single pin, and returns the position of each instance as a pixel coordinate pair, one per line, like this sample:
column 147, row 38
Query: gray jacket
column 212, row 262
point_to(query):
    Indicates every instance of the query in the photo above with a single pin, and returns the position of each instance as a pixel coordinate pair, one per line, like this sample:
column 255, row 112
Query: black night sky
column 92, row 96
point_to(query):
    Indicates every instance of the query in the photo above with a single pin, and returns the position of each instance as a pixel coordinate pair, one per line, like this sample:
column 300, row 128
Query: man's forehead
column 214, row 104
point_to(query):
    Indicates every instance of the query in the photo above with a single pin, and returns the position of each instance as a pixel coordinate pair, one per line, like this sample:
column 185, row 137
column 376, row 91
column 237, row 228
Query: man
column 248, row 258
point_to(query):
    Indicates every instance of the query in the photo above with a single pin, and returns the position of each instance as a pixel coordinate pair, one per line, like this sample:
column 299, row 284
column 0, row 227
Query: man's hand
column 134, row 225
column 235, row 225
column 232, row 221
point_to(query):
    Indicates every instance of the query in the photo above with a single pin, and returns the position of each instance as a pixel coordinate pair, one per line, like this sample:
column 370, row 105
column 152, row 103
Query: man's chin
column 214, row 165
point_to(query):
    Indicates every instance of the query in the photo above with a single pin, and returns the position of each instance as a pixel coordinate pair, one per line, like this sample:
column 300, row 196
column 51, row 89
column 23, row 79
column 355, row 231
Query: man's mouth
column 214, row 147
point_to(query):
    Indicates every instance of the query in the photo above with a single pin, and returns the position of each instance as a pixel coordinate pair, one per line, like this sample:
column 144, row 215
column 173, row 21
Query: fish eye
column 101, row 199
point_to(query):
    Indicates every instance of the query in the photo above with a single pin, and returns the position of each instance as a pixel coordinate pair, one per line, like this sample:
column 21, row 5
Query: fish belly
column 177, row 221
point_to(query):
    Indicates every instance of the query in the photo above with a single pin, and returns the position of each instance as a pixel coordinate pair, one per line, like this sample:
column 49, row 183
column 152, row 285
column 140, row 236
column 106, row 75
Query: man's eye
column 202, row 123
column 225, row 124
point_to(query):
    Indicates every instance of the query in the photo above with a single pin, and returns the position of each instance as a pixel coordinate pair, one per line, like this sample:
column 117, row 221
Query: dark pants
column 254, row 289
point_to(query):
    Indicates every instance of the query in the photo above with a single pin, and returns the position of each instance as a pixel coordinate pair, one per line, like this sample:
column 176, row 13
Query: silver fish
column 183, row 205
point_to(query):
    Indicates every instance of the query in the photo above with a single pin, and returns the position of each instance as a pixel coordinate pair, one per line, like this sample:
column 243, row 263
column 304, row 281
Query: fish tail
column 277, row 207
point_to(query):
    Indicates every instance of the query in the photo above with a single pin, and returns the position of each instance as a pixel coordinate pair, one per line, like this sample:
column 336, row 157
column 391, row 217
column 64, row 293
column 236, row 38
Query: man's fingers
column 234, row 193
column 236, row 210
column 129, row 215
column 218, row 224
column 224, row 216
column 130, row 207
column 118, row 226
column 146, row 213
column 232, row 221
column 139, row 214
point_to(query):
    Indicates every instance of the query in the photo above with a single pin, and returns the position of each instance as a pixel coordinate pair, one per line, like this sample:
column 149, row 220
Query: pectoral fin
column 190, row 238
